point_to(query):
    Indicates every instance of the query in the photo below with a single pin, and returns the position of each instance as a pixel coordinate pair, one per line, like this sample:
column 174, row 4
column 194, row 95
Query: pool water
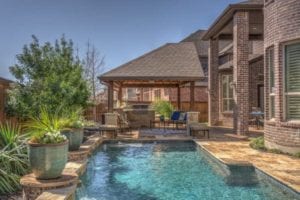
column 163, row 171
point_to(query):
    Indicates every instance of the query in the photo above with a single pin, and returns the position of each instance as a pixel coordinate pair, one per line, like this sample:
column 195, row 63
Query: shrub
column 46, row 75
column 13, row 157
column 258, row 143
column 164, row 108
column 10, row 134
column 297, row 155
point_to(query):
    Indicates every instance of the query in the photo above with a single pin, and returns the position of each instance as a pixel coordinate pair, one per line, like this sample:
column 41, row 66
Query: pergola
column 169, row 66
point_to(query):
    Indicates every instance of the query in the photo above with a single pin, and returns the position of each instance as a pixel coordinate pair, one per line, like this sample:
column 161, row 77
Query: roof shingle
column 170, row 61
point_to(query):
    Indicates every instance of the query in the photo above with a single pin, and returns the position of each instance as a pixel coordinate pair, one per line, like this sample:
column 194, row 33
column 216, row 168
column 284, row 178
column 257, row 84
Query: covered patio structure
column 236, row 74
column 172, row 65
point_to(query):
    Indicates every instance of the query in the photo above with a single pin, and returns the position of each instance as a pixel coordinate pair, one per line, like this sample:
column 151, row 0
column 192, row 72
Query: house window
column 227, row 93
column 292, row 81
column 157, row 94
column 271, row 92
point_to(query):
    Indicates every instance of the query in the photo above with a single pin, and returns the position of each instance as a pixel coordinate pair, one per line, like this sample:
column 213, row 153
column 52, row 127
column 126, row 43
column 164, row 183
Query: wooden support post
column 120, row 95
column 142, row 94
column 110, row 96
column 192, row 96
column 178, row 98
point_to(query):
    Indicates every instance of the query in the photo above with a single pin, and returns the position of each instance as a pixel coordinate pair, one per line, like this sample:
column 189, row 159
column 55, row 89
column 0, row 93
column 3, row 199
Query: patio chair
column 123, row 123
column 177, row 117
column 181, row 120
column 110, row 127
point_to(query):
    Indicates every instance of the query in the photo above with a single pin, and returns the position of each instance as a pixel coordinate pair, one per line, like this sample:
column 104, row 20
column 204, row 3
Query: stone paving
column 283, row 168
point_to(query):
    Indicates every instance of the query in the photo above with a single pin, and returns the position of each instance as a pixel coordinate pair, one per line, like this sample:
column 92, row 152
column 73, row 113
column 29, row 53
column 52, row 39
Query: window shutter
column 293, row 107
column 293, row 68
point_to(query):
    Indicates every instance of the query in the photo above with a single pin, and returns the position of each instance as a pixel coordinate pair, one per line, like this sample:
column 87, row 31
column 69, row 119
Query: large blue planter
column 47, row 161
column 75, row 137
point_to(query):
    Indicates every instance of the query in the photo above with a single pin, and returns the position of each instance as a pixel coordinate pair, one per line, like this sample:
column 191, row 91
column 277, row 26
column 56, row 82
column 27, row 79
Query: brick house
column 260, row 67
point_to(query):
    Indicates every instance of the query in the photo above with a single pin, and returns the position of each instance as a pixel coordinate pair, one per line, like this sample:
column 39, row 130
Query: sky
column 121, row 30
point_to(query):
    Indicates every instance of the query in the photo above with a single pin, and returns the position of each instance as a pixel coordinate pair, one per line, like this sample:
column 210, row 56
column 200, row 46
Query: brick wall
column 201, row 94
column 241, row 71
column 213, row 82
column 256, row 72
column 282, row 24
column 256, row 78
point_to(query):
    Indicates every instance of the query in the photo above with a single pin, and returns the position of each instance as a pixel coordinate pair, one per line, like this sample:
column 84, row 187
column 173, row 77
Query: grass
column 259, row 144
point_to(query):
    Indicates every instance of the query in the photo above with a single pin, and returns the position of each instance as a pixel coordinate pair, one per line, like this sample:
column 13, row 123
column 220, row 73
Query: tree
column 93, row 67
column 47, row 75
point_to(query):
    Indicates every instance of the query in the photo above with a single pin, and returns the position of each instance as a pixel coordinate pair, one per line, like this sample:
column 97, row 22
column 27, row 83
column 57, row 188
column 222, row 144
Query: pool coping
column 97, row 141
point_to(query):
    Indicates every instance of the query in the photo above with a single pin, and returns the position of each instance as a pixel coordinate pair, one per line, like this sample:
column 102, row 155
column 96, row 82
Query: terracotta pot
column 75, row 137
column 47, row 161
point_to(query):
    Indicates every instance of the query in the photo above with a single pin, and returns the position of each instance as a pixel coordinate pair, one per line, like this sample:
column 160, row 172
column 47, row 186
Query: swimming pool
column 167, row 171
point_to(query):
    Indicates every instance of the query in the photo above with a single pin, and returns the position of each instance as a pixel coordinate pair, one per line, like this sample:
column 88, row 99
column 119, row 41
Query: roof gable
column 168, row 62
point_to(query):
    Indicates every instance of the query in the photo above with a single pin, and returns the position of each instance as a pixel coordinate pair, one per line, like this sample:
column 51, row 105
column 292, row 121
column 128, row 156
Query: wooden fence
column 201, row 107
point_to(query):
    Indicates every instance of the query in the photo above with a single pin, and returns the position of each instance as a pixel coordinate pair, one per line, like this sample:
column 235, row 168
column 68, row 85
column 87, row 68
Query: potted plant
column 73, row 129
column 47, row 147
column 74, row 134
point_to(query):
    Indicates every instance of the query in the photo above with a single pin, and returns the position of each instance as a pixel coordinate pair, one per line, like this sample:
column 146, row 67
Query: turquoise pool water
column 164, row 171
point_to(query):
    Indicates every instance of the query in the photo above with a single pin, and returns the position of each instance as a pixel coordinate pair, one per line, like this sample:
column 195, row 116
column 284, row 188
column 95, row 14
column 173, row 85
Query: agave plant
column 13, row 157
column 73, row 118
column 46, row 127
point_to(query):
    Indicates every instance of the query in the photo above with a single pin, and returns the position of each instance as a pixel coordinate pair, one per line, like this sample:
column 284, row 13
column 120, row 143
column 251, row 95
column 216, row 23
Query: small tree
column 164, row 108
column 47, row 75
column 93, row 67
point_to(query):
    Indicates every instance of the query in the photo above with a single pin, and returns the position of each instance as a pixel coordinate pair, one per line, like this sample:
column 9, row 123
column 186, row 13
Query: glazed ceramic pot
column 75, row 137
column 47, row 161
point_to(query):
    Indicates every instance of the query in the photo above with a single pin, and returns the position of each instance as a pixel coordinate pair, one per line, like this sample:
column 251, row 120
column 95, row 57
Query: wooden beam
column 110, row 96
column 178, row 98
column 192, row 96
column 120, row 95
column 149, row 85
column 142, row 94
column 251, row 37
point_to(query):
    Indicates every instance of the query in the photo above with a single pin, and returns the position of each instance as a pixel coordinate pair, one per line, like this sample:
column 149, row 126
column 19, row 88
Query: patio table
column 257, row 115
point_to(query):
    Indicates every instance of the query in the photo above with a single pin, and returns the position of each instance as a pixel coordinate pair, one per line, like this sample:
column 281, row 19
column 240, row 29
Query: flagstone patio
column 283, row 168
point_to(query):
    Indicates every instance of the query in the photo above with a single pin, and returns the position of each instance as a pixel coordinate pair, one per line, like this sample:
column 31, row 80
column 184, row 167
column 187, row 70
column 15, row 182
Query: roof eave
column 148, row 78
column 226, row 16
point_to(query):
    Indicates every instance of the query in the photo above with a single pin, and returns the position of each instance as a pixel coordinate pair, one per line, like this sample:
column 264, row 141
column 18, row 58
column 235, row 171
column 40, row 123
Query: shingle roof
column 251, row 2
column 172, row 61
column 5, row 80
column 201, row 45
column 228, row 13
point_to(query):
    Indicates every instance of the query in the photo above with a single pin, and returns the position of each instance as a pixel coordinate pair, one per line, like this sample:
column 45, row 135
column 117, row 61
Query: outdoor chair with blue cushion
column 177, row 117
column 181, row 120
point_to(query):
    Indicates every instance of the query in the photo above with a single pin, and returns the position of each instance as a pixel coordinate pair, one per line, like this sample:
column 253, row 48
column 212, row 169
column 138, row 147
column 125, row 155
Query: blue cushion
column 175, row 115
column 185, row 117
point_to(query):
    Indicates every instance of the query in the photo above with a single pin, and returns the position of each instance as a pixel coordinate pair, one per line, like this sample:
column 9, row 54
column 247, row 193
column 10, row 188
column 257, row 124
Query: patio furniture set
column 117, row 122
column 177, row 118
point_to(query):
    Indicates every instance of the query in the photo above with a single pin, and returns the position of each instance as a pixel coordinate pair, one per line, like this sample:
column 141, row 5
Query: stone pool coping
column 231, row 158
column 77, row 165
